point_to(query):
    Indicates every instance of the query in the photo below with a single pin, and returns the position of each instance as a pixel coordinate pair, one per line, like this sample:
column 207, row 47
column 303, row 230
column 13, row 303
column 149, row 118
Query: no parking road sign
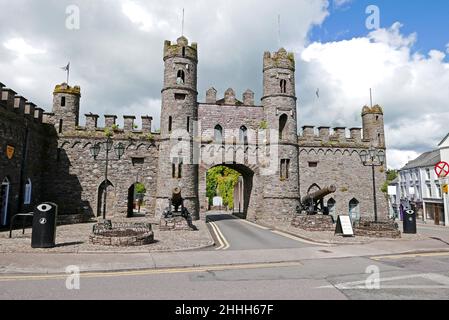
column 442, row 169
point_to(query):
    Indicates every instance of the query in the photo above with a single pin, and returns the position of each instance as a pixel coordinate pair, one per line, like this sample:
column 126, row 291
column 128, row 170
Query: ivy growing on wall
column 221, row 181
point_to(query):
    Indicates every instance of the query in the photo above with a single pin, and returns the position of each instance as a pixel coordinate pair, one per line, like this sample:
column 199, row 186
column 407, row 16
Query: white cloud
column 412, row 88
column 21, row 48
column 341, row 3
column 399, row 158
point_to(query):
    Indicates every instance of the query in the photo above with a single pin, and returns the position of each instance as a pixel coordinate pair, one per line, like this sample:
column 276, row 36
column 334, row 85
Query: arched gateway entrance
column 240, row 189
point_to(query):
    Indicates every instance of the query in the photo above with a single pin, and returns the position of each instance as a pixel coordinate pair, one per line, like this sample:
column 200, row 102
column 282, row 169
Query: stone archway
column 110, row 201
column 247, row 199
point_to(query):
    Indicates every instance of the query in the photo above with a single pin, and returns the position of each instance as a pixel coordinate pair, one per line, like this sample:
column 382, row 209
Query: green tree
column 221, row 181
column 391, row 175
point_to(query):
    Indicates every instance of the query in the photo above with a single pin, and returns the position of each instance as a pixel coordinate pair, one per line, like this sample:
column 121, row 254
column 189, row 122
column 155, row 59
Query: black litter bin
column 410, row 220
column 44, row 226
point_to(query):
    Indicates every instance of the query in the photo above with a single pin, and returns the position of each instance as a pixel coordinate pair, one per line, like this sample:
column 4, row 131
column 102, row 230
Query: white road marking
column 443, row 282
column 283, row 234
column 255, row 225
column 224, row 244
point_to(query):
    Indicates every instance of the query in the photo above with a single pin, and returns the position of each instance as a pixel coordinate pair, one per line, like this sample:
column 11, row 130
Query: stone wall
column 30, row 139
column 342, row 167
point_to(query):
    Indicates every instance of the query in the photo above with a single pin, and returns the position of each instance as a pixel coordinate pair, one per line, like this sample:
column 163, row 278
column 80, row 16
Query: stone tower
column 66, row 106
column 177, row 164
column 373, row 126
column 279, row 102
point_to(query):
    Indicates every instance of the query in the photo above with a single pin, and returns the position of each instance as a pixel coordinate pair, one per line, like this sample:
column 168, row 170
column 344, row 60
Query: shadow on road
column 220, row 217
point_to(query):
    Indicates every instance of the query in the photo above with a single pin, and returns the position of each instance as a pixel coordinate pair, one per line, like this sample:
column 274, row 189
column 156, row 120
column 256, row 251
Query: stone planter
column 313, row 223
column 122, row 234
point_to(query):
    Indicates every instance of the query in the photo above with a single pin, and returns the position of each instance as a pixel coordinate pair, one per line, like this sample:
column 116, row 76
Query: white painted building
column 419, row 184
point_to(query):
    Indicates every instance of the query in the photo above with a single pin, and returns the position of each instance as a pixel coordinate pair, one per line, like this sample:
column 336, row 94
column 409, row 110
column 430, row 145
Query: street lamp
column 373, row 158
column 119, row 150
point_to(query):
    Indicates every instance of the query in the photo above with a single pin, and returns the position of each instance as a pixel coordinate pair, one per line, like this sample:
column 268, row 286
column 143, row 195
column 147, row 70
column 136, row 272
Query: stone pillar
column 340, row 133
column 29, row 109
column 229, row 98
column 38, row 115
column 109, row 120
column 146, row 124
column 356, row 134
column 324, row 132
column 19, row 104
column 128, row 123
column 211, row 96
column 248, row 98
column 8, row 96
column 308, row 131
column 91, row 121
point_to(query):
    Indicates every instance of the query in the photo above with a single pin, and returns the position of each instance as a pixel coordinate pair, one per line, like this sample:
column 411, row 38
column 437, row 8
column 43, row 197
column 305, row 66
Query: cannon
column 176, row 201
column 313, row 203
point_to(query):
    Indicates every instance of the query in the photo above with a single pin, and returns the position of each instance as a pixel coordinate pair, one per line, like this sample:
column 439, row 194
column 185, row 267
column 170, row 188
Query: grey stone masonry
column 259, row 140
column 66, row 105
column 211, row 96
column 229, row 97
column 8, row 97
column 129, row 123
column 110, row 120
column 146, row 124
column 29, row 109
column 248, row 98
column 39, row 115
column 19, row 104
column 91, row 121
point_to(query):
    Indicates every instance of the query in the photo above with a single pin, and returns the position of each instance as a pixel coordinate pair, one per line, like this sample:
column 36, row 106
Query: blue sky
column 429, row 19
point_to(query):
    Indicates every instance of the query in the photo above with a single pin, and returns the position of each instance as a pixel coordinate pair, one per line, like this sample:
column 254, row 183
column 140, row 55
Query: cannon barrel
column 318, row 195
column 176, row 196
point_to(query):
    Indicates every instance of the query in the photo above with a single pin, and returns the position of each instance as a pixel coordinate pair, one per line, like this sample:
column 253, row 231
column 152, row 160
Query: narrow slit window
column 183, row 51
column 170, row 124
column 60, row 125
column 62, row 101
column 179, row 168
column 181, row 77
column 173, row 170
column 283, row 85
column 284, row 169
column 188, row 124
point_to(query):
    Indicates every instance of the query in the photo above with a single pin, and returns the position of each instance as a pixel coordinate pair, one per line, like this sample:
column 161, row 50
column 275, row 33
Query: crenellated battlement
column 280, row 59
column 181, row 49
column 66, row 89
column 111, row 123
column 229, row 98
column 16, row 104
column 334, row 137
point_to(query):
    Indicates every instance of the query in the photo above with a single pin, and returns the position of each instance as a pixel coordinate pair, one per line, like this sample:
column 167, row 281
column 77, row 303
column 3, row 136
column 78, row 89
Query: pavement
column 248, row 262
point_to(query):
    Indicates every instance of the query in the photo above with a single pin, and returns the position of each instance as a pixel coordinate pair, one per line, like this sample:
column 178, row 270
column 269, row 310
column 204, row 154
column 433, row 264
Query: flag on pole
column 67, row 68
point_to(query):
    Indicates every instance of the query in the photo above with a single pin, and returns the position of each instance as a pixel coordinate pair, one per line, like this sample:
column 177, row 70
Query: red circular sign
column 442, row 169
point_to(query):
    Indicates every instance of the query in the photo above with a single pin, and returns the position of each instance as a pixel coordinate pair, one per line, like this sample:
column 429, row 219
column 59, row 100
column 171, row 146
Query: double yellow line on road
column 148, row 272
column 224, row 244
column 411, row 255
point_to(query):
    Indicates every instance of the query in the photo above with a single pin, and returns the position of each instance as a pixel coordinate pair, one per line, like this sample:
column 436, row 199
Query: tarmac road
column 231, row 233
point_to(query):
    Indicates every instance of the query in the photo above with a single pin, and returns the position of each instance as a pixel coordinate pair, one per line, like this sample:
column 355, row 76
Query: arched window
column 218, row 134
column 282, row 126
column 28, row 192
column 354, row 209
column 283, row 85
column 181, row 77
column 331, row 206
column 243, row 135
